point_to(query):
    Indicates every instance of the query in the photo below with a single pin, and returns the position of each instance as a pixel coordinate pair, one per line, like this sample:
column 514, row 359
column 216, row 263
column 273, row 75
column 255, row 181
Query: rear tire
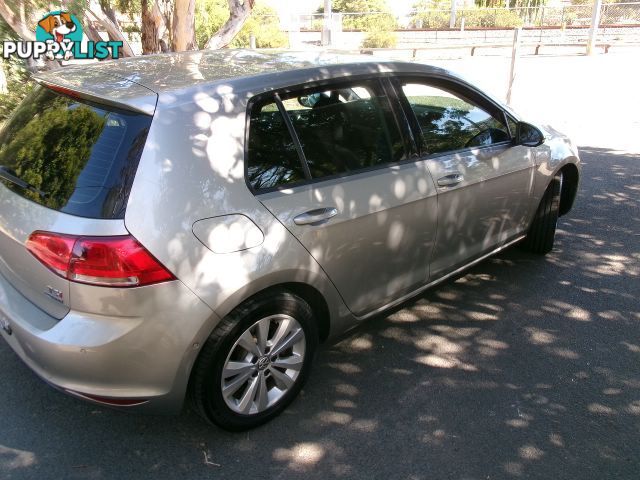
column 271, row 341
column 542, row 232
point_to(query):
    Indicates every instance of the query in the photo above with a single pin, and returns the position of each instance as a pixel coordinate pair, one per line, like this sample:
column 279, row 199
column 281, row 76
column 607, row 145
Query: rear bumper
column 147, row 357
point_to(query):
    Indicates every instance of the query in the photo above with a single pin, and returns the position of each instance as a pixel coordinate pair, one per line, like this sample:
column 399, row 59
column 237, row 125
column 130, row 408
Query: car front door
column 349, row 189
column 484, row 181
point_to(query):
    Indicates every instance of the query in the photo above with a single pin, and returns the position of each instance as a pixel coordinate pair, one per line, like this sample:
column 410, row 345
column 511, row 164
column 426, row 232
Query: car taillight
column 106, row 261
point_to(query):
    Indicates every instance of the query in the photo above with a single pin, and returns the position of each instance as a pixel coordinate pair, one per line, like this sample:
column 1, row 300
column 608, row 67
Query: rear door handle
column 450, row 180
column 315, row 216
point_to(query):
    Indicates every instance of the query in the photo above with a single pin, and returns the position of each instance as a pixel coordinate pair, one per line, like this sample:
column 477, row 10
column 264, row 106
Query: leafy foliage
column 424, row 17
column 377, row 39
column 367, row 15
column 28, row 151
column 430, row 19
column 15, row 74
column 371, row 16
column 492, row 18
column 263, row 24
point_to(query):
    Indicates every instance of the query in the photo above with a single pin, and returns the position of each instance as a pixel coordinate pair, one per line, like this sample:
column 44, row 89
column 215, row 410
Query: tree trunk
column 163, row 14
column 17, row 24
column 91, row 31
column 3, row 80
column 240, row 10
column 112, row 30
column 184, row 28
column 150, row 37
column 108, row 11
column 111, row 15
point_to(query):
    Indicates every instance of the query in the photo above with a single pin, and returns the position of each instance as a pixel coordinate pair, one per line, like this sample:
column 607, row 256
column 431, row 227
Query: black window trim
column 454, row 86
column 294, row 136
column 396, row 110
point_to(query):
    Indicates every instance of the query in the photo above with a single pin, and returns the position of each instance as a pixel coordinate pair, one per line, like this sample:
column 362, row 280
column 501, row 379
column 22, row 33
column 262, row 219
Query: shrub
column 490, row 18
column 432, row 19
column 378, row 39
column 267, row 31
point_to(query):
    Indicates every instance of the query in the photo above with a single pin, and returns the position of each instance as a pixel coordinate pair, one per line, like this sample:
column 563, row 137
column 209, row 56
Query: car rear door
column 334, row 165
column 484, row 181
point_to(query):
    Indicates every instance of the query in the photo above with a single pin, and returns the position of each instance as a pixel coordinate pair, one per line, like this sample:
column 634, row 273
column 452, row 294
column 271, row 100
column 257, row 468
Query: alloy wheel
column 263, row 364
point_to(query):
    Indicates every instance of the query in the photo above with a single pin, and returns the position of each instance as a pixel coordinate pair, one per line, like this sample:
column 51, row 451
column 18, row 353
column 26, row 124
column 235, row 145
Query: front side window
column 449, row 122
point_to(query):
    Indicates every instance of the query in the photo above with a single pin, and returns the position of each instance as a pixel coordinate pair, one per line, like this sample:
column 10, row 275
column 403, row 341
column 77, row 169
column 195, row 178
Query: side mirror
column 309, row 101
column 528, row 135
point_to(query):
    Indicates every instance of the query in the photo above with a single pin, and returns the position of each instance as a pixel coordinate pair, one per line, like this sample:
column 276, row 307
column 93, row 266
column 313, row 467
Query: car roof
column 137, row 81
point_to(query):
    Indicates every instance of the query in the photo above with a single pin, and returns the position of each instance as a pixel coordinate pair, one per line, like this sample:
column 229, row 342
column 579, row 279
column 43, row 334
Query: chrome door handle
column 450, row 180
column 315, row 216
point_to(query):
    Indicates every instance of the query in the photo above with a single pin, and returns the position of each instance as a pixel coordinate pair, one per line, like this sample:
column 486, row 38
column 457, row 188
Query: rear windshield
column 70, row 155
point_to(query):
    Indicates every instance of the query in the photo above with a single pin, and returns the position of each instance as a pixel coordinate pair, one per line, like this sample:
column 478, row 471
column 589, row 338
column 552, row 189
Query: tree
column 17, row 20
column 183, row 30
column 15, row 76
column 263, row 24
column 375, row 14
column 150, row 38
column 96, row 13
column 239, row 11
column 430, row 14
column 372, row 16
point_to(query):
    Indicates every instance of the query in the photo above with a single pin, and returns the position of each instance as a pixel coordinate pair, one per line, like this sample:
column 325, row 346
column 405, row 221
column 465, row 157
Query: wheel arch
column 330, row 312
column 570, row 181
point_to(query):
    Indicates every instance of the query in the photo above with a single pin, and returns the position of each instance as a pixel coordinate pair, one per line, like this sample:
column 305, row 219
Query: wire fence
column 618, row 14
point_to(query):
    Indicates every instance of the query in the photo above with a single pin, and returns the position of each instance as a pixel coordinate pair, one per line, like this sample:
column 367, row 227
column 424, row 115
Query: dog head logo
column 59, row 36
column 60, row 27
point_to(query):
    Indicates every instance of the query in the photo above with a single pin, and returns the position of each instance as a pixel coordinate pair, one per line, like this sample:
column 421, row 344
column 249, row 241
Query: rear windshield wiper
column 10, row 175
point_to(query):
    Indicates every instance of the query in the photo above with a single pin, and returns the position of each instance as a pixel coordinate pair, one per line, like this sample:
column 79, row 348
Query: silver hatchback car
column 193, row 225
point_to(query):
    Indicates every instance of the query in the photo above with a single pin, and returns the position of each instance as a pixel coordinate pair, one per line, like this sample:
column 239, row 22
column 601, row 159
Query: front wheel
column 255, row 362
column 542, row 232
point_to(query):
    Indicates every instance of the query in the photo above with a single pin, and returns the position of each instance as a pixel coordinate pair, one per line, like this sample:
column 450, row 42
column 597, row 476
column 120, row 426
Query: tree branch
column 16, row 24
column 112, row 30
column 239, row 10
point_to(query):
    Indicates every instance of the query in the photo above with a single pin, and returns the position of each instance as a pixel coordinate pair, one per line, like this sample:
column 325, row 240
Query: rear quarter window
column 72, row 156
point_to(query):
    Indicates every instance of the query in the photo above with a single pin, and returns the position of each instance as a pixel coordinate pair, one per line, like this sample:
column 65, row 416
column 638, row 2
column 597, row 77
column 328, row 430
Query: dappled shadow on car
column 524, row 367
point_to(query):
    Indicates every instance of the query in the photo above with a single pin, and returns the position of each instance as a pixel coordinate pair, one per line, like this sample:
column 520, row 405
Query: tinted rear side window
column 273, row 159
column 345, row 129
column 72, row 156
column 341, row 129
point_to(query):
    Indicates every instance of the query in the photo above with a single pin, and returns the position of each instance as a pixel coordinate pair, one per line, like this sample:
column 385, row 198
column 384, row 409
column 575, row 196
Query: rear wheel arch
column 309, row 293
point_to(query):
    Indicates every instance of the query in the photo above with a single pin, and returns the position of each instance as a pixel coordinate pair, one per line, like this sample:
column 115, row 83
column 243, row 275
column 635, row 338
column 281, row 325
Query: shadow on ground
column 526, row 367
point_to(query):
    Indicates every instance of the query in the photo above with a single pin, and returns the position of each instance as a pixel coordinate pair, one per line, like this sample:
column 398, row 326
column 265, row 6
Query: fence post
column 462, row 24
column 593, row 31
column 452, row 18
column 515, row 53
column 336, row 29
column 294, row 31
column 252, row 41
column 326, row 24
